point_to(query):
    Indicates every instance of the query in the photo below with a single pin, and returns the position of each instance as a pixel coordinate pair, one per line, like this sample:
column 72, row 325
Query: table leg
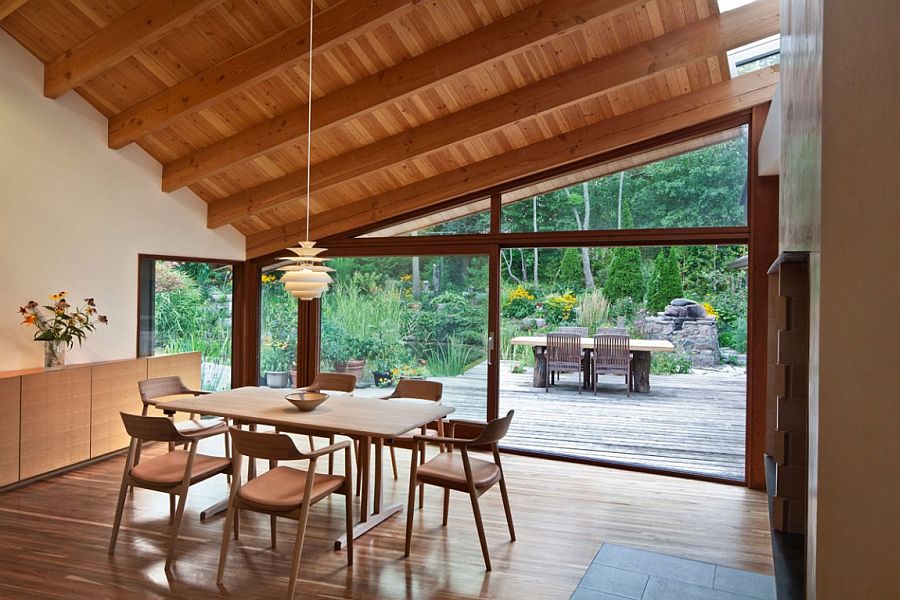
column 539, row 377
column 640, row 371
column 381, row 513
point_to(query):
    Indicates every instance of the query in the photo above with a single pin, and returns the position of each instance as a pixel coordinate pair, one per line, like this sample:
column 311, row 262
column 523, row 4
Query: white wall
column 75, row 214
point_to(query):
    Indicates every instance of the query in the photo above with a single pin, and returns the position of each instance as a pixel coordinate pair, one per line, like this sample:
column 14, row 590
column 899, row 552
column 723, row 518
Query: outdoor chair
column 171, row 473
column 325, row 382
column 463, row 473
column 284, row 492
column 582, row 331
column 564, row 355
column 612, row 356
column 422, row 390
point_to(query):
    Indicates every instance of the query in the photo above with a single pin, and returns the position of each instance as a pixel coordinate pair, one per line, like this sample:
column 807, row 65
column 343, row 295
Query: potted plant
column 273, row 362
column 334, row 346
column 59, row 325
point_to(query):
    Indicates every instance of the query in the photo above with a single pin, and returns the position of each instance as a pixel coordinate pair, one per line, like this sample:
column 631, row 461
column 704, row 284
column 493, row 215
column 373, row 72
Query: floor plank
column 53, row 536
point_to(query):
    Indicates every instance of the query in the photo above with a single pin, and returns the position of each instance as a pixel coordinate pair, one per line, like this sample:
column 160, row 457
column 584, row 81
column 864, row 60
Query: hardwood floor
column 54, row 534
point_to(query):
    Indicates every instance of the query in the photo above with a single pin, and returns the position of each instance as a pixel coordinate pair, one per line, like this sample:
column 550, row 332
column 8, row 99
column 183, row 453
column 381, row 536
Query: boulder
column 675, row 311
column 682, row 302
column 695, row 311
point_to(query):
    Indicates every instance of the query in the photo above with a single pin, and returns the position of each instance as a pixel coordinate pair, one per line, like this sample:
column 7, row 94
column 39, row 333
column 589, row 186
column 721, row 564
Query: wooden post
column 640, row 372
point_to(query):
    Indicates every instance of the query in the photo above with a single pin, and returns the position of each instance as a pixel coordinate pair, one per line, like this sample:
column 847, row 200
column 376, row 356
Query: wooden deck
column 693, row 423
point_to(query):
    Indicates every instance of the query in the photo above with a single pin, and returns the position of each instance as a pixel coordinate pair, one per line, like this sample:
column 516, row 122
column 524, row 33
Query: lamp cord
column 309, row 116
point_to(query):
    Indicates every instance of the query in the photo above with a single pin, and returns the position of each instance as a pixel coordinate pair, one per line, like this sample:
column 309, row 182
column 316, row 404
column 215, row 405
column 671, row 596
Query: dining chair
column 158, row 389
column 283, row 491
column 612, row 356
column 581, row 331
column 171, row 473
column 325, row 382
column 463, row 473
column 422, row 390
column 564, row 355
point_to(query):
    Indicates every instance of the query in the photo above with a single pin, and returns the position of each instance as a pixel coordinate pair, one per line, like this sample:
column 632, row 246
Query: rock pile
column 685, row 323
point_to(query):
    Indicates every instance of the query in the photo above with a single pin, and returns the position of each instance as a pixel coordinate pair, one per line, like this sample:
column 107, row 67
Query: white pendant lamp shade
column 306, row 276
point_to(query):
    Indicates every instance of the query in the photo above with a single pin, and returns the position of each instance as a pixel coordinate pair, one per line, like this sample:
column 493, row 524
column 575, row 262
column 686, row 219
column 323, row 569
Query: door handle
column 490, row 349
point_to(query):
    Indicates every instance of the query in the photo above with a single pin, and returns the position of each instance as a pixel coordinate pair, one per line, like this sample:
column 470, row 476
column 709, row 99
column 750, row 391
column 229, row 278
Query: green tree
column 625, row 279
column 665, row 282
column 570, row 270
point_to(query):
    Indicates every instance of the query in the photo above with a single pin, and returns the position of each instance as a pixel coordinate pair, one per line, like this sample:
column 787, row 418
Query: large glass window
column 472, row 218
column 186, row 306
column 277, row 332
column 389, row 318
column 697, row 183
column 689, row 413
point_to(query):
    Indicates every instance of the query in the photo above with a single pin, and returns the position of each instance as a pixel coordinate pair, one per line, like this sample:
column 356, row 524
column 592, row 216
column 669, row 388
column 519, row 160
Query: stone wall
column 685, row 324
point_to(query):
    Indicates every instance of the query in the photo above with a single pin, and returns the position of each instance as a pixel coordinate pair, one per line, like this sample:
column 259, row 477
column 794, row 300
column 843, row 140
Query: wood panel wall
column 53, row 419
column 10, row 390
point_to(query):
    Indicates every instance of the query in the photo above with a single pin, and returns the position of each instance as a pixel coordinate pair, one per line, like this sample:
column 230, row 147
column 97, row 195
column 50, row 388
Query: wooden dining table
column 370, row 421
column 640, row 362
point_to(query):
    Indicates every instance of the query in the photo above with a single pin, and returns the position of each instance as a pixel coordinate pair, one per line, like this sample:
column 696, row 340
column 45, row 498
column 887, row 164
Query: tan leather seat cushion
column 168, row 469
column 282, row 488
column 448, row 468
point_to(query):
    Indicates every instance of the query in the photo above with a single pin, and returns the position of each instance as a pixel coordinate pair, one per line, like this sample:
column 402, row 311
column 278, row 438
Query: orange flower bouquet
column 60, row 324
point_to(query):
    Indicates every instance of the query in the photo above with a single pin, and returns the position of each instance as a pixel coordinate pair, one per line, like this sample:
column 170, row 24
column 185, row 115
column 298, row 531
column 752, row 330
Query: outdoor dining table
column 640, row 362
column 370, row 421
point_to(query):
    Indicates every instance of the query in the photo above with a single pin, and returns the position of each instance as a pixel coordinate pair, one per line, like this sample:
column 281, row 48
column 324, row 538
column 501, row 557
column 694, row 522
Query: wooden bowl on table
column 306, row 401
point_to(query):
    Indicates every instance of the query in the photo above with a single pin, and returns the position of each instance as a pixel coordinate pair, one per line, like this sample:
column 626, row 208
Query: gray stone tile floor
column 621, row 572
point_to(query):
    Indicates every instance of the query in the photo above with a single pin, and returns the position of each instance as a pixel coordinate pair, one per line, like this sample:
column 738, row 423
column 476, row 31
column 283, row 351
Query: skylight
column 726, row 5
column 753, row 56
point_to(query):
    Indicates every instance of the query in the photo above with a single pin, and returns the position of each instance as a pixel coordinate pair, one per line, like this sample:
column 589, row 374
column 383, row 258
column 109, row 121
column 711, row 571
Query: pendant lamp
column 307, row 277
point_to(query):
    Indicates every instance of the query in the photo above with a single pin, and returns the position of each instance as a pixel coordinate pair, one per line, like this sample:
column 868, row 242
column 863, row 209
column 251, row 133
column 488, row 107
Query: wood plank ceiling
column 415, row 101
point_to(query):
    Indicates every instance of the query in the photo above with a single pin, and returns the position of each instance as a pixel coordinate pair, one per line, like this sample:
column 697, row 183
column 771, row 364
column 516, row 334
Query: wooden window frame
column 759, row 234
column 239, row 319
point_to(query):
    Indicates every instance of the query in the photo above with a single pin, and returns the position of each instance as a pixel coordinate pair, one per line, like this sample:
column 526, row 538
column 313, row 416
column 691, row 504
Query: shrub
column 559, row 308
column 675, row 363
column 571, row 271
column 594, row 310
column 519, row 303
column 665, row 282
column 625, row 279
column 450, row 359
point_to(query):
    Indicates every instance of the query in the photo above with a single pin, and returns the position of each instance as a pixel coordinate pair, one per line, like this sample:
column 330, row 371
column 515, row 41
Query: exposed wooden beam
column 333, row 26
column 145, row 24
column 709, row 37
column 8, row 7
column 493, row 42
column 659, row 119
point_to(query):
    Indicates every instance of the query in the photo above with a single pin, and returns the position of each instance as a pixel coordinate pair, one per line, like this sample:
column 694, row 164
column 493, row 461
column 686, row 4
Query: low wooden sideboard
column 51, row 419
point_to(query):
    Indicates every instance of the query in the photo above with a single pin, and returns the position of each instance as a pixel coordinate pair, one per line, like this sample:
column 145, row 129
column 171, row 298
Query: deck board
column 694, row 423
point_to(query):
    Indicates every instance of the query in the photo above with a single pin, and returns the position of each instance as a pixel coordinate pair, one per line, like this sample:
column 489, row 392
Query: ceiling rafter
column 708, row 37
column 334, row 26
column 680, row 112
column 139, row 27
column 493, row 42
column 8, row 7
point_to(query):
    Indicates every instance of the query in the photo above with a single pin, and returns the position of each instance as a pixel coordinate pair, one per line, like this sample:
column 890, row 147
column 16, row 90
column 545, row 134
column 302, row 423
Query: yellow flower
column 710, row 310
column 29, row 320
column 268, row 278
column 521, row 293
column 406, row 278
column 58, row 296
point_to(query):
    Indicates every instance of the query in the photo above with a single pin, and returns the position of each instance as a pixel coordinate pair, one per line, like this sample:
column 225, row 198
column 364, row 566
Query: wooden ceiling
column 415, row 101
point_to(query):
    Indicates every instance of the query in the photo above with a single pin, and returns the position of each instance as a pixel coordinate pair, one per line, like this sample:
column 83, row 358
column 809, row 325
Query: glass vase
column 54, row 354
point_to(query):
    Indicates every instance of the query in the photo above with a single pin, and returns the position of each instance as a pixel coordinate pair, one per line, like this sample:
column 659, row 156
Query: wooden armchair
column 284, row 491
column 326, row 382
column 422, row 390
column 612, row 356
column 153, row 391
column 463, row 473
column 564, row 355
column 171, row 473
